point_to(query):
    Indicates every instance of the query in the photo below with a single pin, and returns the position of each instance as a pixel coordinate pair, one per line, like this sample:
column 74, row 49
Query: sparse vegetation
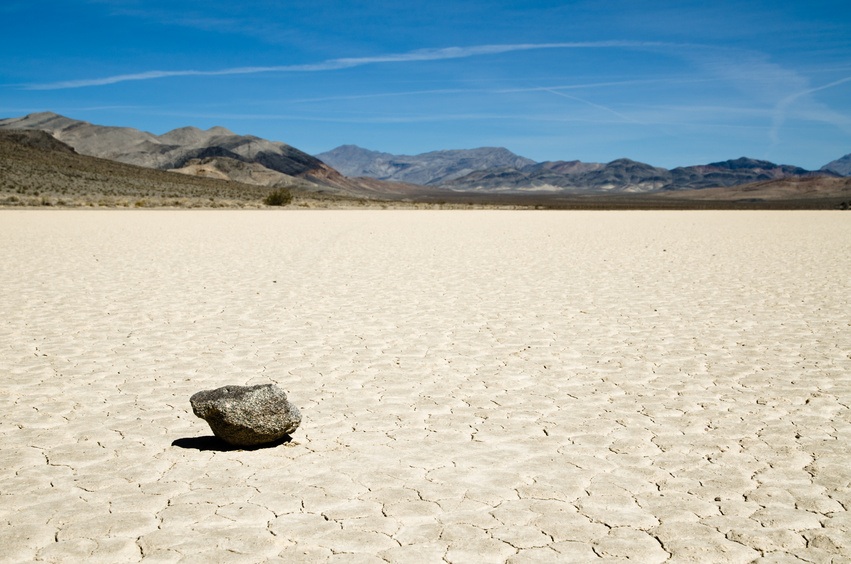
column 36, row 172
column 42, row 176
column 279, row 197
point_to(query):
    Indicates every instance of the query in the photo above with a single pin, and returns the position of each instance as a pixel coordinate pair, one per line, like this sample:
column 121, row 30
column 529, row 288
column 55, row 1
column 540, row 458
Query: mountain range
column 499, row 170
column 36, row 169
column 427, row 169
column 349, row 170
column 215, row 152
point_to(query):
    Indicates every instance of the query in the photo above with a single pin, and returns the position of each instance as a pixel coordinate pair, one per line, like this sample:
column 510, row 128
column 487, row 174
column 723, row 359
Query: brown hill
column 212, row 153
column 37, row 169
column 812, row 188
column 224, row 168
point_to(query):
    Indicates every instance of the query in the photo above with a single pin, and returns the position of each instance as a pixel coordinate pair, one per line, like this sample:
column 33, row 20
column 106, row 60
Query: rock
column 247, row 415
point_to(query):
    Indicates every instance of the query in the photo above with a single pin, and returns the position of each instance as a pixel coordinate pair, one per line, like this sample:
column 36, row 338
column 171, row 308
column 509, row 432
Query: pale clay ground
column 476, row 386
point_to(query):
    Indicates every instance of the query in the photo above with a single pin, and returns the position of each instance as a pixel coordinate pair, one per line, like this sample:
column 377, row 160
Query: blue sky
column 671, row 83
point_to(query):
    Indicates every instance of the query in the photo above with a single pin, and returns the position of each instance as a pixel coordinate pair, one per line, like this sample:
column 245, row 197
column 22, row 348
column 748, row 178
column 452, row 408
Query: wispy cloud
column 519, row 90
column 592, row 104
column 782, row 92
column 783, row 108
column 372, row 118
column 344, row 63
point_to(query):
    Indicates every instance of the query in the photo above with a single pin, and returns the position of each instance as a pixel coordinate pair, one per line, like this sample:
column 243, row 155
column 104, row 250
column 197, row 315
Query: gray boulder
column 247, row 415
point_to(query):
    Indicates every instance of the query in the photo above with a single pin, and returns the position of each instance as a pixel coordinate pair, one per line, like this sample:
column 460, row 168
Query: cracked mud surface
column 475, row 386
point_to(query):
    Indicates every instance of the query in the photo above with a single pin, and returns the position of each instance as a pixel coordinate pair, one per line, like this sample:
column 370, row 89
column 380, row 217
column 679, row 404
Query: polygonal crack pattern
column 475, row 387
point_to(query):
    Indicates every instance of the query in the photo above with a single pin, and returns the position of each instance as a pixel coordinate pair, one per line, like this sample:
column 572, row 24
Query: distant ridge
column 499, row 170
column 841, row 166
column 626, row 175
column 426, row 169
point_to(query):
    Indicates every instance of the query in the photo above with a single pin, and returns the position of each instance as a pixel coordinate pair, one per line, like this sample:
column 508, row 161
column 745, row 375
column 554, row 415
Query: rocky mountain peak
column 841, row 166
column 219, row 130
column 193, row 135
column 743, row 163
column 44, row 121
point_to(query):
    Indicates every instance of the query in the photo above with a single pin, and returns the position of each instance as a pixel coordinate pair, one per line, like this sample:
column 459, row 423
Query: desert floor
column 476, row 386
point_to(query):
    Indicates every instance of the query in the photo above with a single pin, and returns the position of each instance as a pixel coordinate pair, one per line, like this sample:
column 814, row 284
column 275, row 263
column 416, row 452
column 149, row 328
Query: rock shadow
column 211, row 442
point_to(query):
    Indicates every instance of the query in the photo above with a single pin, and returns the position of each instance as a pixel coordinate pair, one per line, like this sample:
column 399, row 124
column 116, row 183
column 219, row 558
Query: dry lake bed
column 476, row 386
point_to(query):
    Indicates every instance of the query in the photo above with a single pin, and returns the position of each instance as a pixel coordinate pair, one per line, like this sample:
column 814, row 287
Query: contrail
column 598, row 106
column 781, row 110
column 344, row 63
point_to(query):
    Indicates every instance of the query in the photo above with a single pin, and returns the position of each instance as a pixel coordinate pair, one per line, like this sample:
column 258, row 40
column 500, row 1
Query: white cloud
column 782, row 92
column 810, row 109
column 336, row 64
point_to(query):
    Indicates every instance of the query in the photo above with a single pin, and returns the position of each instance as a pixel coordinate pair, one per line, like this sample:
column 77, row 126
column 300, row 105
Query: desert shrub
column 279, row 197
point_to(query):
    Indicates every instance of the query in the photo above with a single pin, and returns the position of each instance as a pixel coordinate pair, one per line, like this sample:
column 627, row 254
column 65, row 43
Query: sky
column 669, row 83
